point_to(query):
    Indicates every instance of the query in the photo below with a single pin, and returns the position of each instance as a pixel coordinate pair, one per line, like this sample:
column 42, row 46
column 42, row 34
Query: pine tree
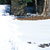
column 5, row 1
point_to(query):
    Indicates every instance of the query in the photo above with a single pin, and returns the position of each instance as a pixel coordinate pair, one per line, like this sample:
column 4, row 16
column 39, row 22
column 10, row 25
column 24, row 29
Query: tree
column 5, row 1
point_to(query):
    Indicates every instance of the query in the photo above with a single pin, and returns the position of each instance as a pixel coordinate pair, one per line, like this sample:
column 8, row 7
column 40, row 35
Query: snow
column 14, row 34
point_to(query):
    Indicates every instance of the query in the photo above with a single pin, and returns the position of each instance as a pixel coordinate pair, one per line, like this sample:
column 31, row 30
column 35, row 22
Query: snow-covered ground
column 4, row 10
column 14, row 34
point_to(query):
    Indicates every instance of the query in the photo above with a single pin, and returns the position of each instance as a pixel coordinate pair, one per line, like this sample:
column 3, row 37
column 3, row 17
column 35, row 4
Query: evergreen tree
column 5, row 1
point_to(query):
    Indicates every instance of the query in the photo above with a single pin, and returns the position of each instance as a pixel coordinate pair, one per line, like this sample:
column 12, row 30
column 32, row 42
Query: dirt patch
column 34, row 18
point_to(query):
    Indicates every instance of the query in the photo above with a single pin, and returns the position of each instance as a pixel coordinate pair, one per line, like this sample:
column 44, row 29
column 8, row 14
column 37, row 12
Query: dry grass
column 34, row 18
